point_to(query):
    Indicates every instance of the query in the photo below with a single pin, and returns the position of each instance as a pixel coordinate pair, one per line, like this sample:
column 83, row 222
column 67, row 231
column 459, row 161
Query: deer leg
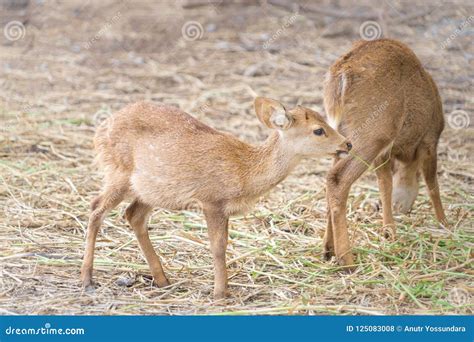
column 340, row 179
column 217, row 225
column 328, row 240
column 405, row 185
column 101, row 206
column 429, row 167
column 384, row 177
column 137, row 214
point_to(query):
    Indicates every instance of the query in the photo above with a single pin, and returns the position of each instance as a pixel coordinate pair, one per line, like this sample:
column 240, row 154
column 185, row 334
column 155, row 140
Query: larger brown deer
column 162, row 157
column 381, row 98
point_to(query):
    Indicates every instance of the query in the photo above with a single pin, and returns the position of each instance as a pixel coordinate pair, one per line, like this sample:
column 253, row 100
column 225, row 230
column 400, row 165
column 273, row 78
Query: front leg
column 217, row 226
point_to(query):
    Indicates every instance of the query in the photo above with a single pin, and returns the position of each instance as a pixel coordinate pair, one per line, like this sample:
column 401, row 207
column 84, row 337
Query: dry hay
column 54, row 87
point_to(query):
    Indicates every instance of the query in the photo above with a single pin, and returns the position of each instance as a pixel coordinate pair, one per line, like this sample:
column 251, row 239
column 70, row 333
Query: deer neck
column 270, row 163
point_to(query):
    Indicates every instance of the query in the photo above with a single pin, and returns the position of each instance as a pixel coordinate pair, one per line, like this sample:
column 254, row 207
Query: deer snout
column 344, row 149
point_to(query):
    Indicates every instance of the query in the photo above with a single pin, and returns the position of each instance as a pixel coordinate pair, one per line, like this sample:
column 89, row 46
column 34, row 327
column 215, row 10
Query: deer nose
column 349, row 146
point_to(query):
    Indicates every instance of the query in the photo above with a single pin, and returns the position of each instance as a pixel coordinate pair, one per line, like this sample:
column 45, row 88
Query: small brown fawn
column 381, row 98
column 159, row 156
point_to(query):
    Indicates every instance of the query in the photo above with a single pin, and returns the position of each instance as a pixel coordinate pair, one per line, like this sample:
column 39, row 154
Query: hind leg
column 384, row 177
column 101, row 206
column 328, row 239
column 137, row 214
column 429, row 167
column 339, row 181
column 406, row 186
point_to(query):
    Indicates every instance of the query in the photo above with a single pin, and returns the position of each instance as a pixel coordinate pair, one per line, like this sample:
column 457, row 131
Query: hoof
column 347, row 262
column 88, row 288
column 444, row 223
column 390, row 232
column 86, row 279
column 162, row 282
column 220, row 295
column 403, row 199
column 328, row 253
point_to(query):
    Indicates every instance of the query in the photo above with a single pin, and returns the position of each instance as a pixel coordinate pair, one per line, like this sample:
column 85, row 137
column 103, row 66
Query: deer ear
column 272, row 113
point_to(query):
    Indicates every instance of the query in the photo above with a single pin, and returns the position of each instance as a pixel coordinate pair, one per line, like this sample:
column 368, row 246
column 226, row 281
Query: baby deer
column 381, row 98
column 162, row 157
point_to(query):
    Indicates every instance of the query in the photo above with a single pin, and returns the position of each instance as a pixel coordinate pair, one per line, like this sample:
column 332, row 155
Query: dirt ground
column 67, row 65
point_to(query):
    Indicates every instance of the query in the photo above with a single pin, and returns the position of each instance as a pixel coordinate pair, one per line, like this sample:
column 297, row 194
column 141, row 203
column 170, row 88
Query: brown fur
column 162, row 157
column 381, row 98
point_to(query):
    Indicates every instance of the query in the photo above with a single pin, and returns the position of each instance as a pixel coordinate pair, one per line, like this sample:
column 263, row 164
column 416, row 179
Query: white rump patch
column 333, row 122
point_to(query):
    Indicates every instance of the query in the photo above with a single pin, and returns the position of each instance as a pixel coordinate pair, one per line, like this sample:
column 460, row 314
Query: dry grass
column 51, row 85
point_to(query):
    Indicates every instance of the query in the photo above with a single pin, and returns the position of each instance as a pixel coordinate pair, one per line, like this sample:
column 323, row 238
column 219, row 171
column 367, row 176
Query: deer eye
column 319, row 131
